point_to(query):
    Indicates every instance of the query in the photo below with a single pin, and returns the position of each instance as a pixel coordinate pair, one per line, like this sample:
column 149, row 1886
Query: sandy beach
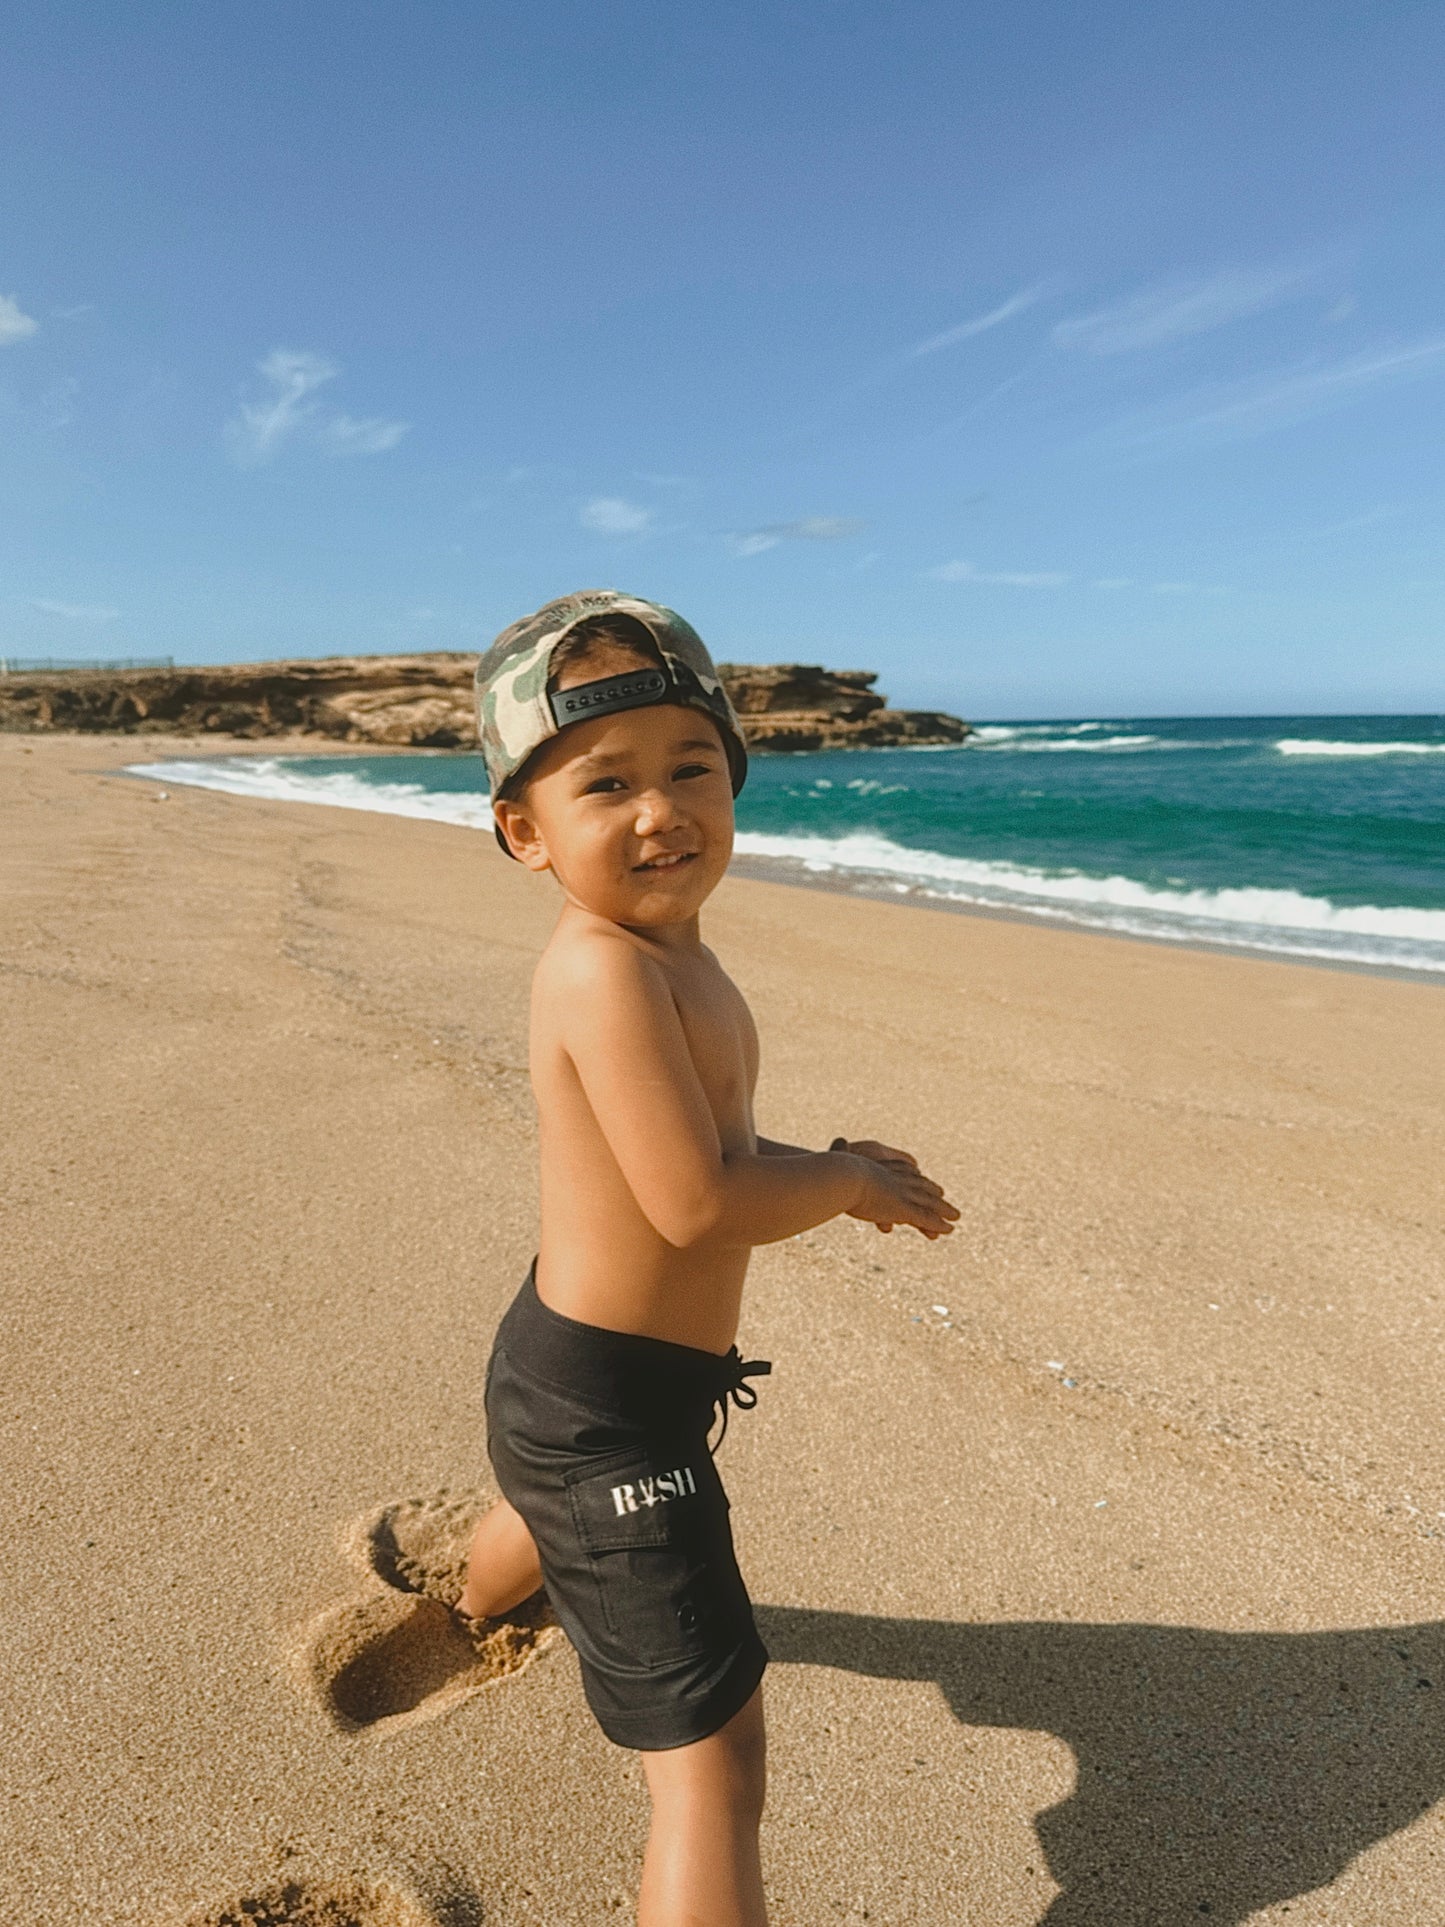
column 1100, row 1549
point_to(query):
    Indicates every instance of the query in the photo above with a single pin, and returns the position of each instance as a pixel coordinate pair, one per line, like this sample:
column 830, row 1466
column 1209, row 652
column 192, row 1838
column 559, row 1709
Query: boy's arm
column 866, row 1148
column 620, row 1028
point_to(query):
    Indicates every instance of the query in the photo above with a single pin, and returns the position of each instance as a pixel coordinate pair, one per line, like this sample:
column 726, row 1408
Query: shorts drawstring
column 734, row 1373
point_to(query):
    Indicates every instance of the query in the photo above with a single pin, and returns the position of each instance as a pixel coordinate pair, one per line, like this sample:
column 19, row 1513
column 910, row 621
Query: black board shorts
column 600, row 1440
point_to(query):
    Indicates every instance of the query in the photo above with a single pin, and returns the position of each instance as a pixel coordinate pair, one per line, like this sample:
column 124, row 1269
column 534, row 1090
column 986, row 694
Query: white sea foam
column 1256, row 919
column 1038, row 738
column 281, row 782
column 1094, row 743
column 1312, row 746
column 1282, row 921
column 1011, row 732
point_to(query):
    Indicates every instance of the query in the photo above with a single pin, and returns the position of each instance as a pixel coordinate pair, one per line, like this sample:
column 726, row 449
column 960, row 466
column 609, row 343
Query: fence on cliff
column 58, row 665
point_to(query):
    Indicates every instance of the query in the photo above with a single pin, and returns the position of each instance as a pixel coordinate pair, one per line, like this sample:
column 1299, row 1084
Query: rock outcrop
column 425, row 702
column 794, row 705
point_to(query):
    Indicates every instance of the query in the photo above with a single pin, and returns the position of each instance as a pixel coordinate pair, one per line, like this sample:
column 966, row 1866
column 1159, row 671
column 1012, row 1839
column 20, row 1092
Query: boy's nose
column 656, row 810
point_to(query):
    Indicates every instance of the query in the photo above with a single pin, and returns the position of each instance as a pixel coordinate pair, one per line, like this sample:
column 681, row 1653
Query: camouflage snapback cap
column 516, row 714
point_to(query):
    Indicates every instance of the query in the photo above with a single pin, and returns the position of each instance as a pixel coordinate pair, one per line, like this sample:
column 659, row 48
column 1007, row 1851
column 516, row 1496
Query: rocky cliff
column 794, row 705
column 426, row 702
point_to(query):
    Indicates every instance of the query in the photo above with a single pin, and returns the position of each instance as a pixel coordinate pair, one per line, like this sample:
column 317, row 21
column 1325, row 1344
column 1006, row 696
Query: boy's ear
column 524, row 839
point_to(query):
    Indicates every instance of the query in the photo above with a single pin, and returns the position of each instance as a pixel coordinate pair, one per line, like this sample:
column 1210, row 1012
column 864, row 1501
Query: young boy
column 613, row 756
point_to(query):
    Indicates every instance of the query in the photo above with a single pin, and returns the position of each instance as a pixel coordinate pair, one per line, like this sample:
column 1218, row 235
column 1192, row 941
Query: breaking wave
column 1311, row 746
column 272, row 777
column 1286, row 922
column 1260, row 917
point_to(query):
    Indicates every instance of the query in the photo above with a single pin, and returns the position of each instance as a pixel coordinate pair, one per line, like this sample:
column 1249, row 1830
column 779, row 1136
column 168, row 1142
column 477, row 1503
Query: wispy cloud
column 1179, row 308
column 613, row 515
column 1112, row 582
column 980, row 324
column 1226, row 411
column 260, row 429
column 74, row 313
column 73, row 611
column 998, row 578
column 810, row 528
column 1187, row 588
column 343, row 435
column 15, row 324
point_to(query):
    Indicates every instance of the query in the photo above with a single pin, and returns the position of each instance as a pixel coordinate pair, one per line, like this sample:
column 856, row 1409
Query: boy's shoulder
column 588, row 959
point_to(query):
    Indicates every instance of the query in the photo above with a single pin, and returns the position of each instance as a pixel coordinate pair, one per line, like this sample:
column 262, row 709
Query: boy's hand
column 895, row 1191
column 868, row 1147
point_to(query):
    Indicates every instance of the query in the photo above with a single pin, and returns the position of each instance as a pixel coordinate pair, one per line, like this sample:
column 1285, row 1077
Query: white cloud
column 980, row 325
column 75, row 313
column 611, row 515
column 15, row 325
column 74, row 611
column 1005, row 578
column 260, row 429
column 1228, row 410
column 1113, row 582
column 809, row 528
column 1180, row 308
column 344, row 436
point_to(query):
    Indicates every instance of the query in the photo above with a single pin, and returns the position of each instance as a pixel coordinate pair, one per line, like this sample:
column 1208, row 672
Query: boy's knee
column 729, row 1770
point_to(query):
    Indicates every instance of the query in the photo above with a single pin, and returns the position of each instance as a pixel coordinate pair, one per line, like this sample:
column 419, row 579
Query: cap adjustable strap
column 587, row 699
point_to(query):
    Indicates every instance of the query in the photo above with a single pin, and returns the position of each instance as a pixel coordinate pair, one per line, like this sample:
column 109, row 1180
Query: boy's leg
column 702, row 1867
column 502, row 1565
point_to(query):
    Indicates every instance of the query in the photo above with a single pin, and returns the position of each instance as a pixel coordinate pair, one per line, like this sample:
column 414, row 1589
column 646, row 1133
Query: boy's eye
column 694, row 769
column 603, row 786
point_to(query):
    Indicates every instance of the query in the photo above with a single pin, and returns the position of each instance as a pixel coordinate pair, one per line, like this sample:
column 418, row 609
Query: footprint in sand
column 399, row 1655
column 334, row 1903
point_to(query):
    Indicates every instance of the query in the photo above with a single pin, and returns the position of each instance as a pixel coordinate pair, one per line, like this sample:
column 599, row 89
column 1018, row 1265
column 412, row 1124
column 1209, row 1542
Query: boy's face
column 633, row 812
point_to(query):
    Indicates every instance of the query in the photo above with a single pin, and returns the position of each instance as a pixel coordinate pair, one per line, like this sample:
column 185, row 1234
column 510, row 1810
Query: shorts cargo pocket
column 654, row 1526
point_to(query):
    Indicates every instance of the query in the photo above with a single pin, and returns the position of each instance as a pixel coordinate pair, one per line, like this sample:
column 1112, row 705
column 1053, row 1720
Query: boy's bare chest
column 721, row 1039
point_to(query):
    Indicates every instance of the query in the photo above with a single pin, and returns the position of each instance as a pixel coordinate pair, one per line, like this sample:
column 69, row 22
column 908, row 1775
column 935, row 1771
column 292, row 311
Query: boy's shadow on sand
column 1218, row 1773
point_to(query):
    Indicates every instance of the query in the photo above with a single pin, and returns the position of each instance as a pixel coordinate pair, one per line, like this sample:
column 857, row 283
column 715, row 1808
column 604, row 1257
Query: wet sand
column 1108, row 1593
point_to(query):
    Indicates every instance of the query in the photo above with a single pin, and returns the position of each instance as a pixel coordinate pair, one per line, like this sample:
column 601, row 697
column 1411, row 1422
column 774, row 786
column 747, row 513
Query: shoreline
column 796, row 873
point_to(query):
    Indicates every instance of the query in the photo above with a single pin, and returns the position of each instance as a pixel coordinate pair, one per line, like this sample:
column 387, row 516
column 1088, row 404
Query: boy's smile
column 633, row 812
column 666, row 861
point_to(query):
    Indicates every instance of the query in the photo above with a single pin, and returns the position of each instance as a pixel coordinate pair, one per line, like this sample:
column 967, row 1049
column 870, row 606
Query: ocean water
column 1320, row 837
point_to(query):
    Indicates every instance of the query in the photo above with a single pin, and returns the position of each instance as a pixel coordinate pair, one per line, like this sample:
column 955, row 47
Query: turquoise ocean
column 1317, row 837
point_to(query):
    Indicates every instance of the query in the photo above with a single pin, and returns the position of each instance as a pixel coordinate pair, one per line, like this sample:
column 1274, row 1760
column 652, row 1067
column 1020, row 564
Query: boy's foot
column 534, row 1615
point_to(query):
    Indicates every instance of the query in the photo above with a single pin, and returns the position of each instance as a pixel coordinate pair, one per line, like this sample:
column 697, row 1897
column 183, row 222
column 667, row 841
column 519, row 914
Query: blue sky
column 1051, row 360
